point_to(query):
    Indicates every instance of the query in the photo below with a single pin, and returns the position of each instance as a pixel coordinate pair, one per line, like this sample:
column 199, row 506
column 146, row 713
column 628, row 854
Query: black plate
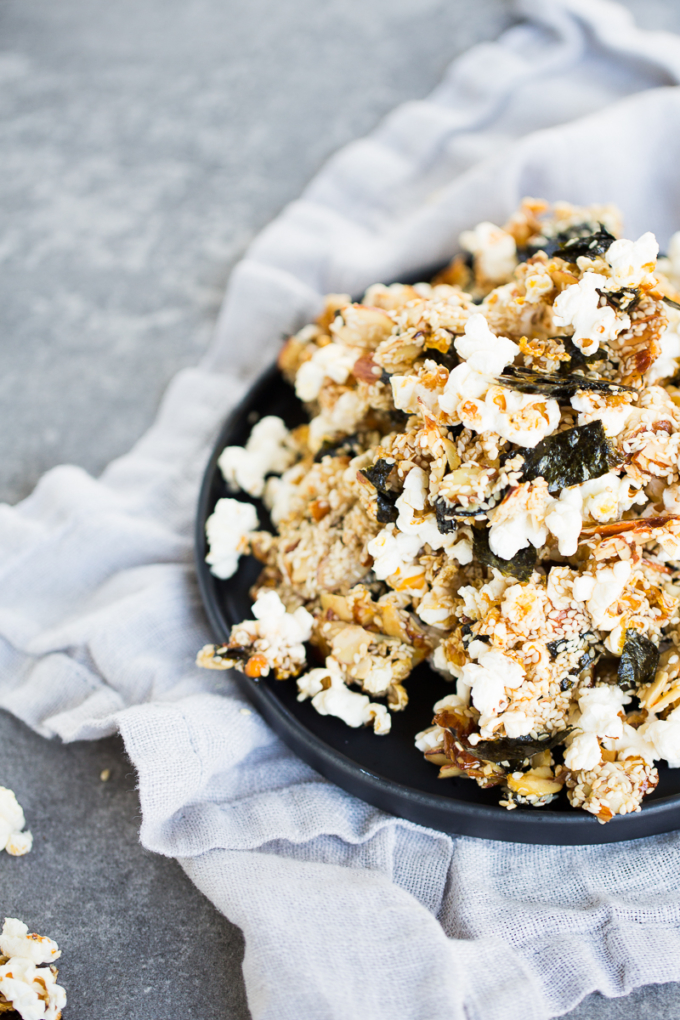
column 389, row 771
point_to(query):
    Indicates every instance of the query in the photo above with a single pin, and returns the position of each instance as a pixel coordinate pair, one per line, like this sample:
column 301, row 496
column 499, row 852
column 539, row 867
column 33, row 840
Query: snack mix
column 489, row 481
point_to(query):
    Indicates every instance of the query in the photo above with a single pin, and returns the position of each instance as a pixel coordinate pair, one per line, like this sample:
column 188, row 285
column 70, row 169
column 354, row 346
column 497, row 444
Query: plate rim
column 573, row 828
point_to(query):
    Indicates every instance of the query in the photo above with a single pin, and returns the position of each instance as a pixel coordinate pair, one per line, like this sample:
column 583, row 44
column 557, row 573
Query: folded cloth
column 347, row 911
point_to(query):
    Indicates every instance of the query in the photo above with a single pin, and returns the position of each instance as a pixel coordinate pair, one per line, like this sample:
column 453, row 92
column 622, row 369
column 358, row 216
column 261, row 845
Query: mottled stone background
column 142, row 145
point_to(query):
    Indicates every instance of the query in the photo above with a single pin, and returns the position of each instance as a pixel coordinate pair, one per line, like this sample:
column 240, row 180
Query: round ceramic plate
column 389, row 771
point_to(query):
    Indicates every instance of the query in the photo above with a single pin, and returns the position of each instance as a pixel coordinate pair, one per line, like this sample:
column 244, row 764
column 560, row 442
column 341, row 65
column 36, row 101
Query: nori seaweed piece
column 379, row 473
column 591, row 245
column 515, row 750
column 552, row 245
column 570, row 457
column 399, row 417
column 446, row 523
column 346, row 445
column 624, row 300
column 387, row 512
column 449, row 359
column 377, row 476
column 550, row 384
column 577, row 359
column 385, row 376
column 520, row 566
column 639, row 660
column 671, row 302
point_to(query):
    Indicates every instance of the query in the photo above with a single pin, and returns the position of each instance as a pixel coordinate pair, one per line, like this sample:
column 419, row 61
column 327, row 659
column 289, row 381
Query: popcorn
column 12, row 821
column 594, row 322
column 335, row 361
column 267, row 451
column 331, row 696
column 494, row 250
column 227, row 530
column 482, row 350
column 31, row 989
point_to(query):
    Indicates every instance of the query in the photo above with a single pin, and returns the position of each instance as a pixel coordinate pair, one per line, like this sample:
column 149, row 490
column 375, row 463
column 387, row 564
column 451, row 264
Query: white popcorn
column 613, row 418
column 12, row 821
column 494, row 248
column 600, row 707
column 227, row 530
column 30, row 988
column 430, row 738
column 664, row 737
column 521, row 418
column 517, row 723
column 392, row 551
column 280, row 628
column 411, row 520
column 331, row 696
column 15, row 940
column 482, row 350
column 583, row 753
column 599, row 717
column 341, row 419
column 632, row 261
column 409, row 393
column 334, row 361
column 507, row 538
column 488, row 679
column 607, row 590
column 579, row 306
column 564, row 519
column 666, row 365
column 266, row 452
column 634, row 744
column 450, row 701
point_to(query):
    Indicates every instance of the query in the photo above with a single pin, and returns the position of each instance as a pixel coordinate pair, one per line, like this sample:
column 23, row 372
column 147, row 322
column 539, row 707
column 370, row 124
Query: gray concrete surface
column 142, row 146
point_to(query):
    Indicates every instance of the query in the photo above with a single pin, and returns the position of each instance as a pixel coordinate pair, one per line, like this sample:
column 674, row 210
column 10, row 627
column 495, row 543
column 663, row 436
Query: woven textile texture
column 348, row 912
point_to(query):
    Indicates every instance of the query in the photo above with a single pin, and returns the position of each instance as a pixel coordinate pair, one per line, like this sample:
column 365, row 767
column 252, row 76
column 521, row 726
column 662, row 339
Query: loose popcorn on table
column 14, row 838
column 489, row 481
column 28, row 979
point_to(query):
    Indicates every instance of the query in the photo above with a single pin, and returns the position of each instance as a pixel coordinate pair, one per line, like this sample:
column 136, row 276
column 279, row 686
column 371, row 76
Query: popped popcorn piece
column 581, row 306
column 489, row 678
column 632, row 261
column 482, row 350
column 30, row 988
column 334, row 361
column 268, row 451
column 227, row 530
column 494, row 250
column 12, row 821
column 331, row 696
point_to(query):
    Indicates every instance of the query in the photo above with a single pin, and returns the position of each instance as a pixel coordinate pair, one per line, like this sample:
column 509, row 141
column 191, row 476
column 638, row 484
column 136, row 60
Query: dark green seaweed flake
column 387, row 512
column 570, row 457
column 591, row 245
column 520, row 566
column 551, row 384
column 555, row 245
column 577, row 359
column 517, row 750
column 639, row 661
column 347, row 446
column 377, row 475
column 671, row 302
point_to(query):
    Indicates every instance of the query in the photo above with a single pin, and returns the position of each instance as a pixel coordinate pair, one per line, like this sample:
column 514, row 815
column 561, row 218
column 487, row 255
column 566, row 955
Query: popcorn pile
column 26, row 984
column 489, row 481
